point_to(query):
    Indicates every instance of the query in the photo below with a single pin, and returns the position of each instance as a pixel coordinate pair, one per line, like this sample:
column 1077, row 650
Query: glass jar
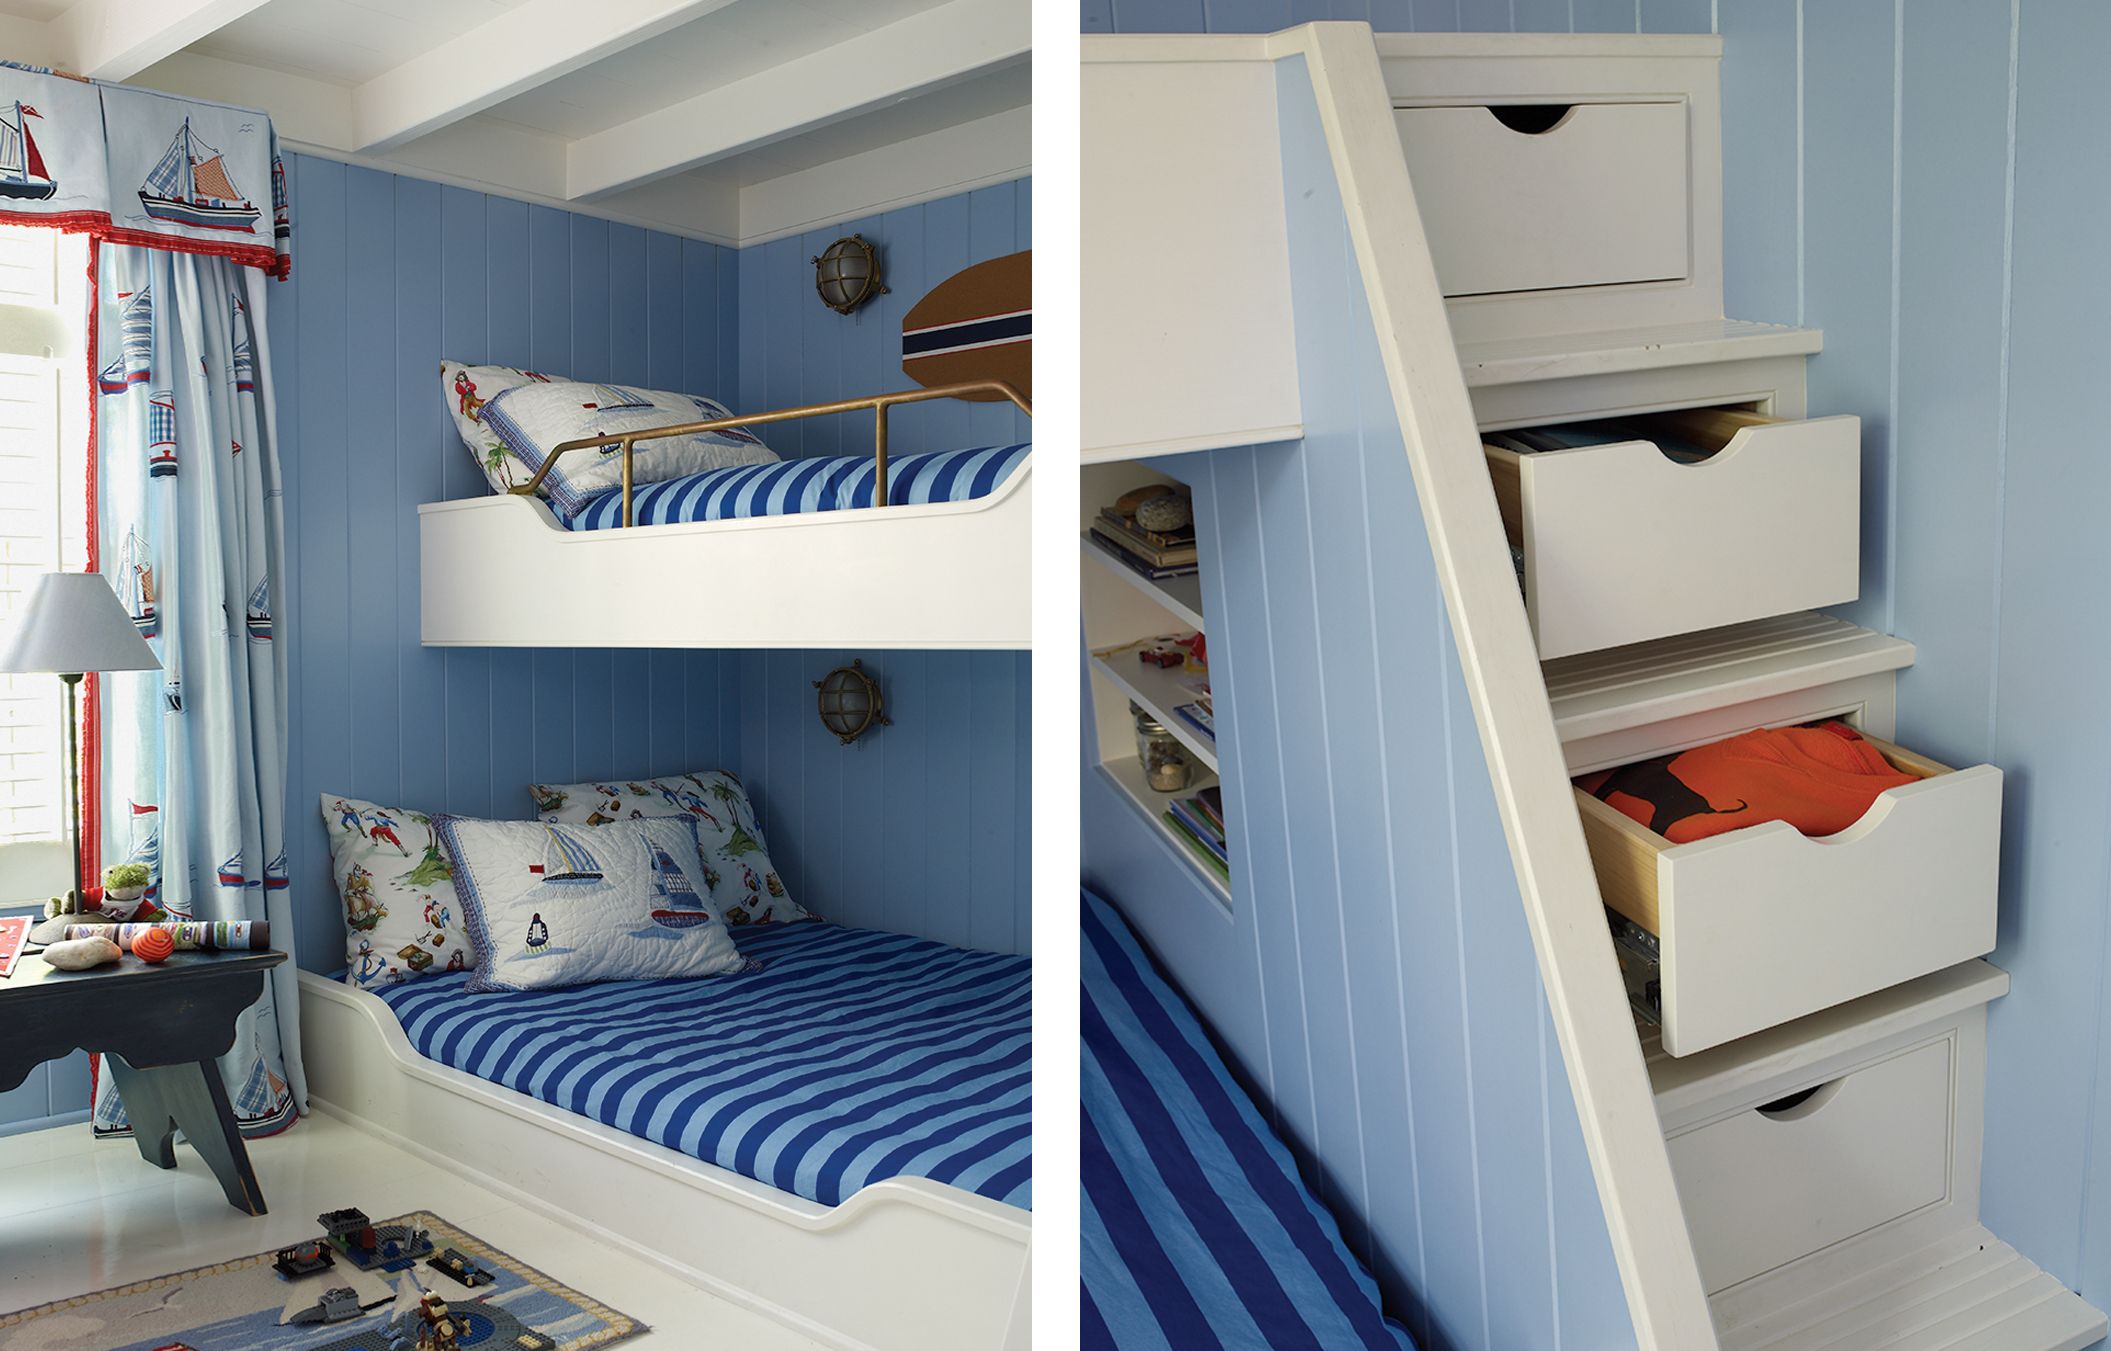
column 1165, row 764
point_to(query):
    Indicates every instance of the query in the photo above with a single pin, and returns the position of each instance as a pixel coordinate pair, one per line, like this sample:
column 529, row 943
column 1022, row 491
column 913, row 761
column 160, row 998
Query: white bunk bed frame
column 907, row 1264
column 940, row 574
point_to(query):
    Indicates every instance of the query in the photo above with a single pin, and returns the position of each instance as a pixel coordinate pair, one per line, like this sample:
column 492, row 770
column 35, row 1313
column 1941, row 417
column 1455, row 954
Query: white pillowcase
column 737, row 866
column 552, row 905
column 467, row 389
column 401, row 916
column 534, row 418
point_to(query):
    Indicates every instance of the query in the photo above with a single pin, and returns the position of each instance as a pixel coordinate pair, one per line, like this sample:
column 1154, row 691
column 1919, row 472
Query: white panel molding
column 937, row 47
column 1528, row 774
column 993, row 149
column 518, row 50
column 117, row 39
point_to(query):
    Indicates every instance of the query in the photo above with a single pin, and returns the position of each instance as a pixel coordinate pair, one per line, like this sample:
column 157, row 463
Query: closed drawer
column 1775, row 1183
column 1759, row 926
column 1534, row 199
column 1623, row 544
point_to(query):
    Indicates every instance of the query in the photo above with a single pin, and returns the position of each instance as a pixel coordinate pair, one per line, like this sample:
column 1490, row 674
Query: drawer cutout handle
column 1797, row 1106
column 1531, row 119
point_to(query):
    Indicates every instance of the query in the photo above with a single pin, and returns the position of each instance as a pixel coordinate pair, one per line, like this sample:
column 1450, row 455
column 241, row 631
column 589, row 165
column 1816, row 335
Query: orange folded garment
column 1819, row 779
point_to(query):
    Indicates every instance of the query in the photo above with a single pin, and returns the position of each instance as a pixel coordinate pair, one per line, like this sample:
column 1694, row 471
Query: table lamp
column 72, row 625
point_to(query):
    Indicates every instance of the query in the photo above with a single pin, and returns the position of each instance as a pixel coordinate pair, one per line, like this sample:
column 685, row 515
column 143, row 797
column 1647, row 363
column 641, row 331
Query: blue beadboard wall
column 795, row 350
column 925, row 826
column 389, row 274
column 1952, row 186
column 1374, row 980
column 922, row 827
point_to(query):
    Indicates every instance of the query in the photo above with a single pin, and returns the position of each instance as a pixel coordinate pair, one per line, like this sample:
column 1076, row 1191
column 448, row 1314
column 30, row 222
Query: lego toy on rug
column 414, row 1283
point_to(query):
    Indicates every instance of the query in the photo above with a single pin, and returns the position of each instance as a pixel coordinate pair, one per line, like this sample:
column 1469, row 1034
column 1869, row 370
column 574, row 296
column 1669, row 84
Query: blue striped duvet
column 825, row 483
column 852, row 1056
column 1198, row 1232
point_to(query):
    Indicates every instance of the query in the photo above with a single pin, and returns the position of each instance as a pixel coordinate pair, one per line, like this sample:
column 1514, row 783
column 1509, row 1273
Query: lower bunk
column 862, row 1102
column 1198, row 1231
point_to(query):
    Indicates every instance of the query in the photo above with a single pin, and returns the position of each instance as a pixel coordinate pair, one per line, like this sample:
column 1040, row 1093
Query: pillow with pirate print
column 467, row 389
column 743, row 881
column 553, row 905
column 401, row 916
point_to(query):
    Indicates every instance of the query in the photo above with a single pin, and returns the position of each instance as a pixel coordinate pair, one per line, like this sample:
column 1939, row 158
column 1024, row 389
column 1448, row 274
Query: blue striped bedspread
column 824, row 483
column 1198, row 1231
column 850, row 1057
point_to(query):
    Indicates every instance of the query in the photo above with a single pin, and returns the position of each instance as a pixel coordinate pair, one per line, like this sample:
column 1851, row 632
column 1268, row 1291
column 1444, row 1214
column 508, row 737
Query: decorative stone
column 1164, row 513
column 78, row 954
column 54, row 929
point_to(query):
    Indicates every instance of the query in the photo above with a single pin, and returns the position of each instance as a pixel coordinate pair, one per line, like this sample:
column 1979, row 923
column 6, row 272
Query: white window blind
column 43, row 503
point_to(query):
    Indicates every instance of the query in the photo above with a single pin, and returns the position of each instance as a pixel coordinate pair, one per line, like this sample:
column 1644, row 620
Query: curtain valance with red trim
column 144, row 168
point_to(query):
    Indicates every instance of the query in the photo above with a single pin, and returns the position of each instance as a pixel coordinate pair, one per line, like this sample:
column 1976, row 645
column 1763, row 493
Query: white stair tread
column 1512, row 361
column 1610, row 691
column 1966, row 1291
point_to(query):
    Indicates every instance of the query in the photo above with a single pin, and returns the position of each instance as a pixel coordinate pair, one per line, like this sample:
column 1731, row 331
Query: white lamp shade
column 74, row 624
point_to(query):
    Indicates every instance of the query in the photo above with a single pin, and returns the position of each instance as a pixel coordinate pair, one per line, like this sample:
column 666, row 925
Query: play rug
column 243, row 1306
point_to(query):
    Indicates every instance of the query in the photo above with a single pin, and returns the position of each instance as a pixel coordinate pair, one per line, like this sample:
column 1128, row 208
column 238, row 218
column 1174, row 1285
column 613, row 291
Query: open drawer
column 1623, row 544
column 1761, row 925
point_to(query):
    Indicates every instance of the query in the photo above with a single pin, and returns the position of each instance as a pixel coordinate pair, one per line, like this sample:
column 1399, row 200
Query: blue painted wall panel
column 391, row 274
column 925, row 826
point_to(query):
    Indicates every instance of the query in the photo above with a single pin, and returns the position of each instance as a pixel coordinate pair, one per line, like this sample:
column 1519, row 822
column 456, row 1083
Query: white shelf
column 1159, row 690
column 1187, row 445
column 1127, row 775
column 1624, row 703
column 1181, row 597
column 1528, row 360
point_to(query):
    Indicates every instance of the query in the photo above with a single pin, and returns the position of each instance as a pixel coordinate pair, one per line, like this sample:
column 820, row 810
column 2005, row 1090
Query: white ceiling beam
column 117, row 39
column 524, row 47
column 952, row 42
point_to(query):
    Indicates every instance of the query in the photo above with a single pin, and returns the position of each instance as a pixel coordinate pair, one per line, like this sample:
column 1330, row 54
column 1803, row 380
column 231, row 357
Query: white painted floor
column 78, row 1216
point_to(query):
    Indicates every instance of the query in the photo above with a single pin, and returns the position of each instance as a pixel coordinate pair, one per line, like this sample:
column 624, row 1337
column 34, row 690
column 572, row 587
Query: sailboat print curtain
column 191, row 532
column 193, row 535
column 133, row 166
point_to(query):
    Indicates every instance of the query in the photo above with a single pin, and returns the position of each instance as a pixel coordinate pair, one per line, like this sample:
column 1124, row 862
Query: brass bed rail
column 877, row 403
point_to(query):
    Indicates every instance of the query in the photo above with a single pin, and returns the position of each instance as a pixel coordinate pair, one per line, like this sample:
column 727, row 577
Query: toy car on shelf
column 303, row 1259
column 454, row 1263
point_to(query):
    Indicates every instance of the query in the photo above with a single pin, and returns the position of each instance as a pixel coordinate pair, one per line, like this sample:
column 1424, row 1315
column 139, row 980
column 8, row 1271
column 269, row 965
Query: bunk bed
column 843, row 552
column 1197, row 1229
column 840, row 1139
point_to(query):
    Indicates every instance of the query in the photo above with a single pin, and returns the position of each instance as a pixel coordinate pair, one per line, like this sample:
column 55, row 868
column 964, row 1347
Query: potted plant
column 125, row 881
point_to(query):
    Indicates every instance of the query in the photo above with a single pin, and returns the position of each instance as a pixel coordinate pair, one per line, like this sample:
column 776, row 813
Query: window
column 43, row 527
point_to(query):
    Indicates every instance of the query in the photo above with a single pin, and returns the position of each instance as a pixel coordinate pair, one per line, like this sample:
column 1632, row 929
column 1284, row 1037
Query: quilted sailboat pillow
column 534, row 419
column 553, row 905
column 743, row 881
column 401, row 917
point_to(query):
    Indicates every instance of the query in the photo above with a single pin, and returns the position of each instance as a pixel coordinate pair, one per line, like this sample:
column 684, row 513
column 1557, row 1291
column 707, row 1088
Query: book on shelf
column 1194, row 824
column 1139, row 565
column 1197, row 848
column 1199, row 718
column 1151, row 548
column 1211, row 802
column 1154, row 539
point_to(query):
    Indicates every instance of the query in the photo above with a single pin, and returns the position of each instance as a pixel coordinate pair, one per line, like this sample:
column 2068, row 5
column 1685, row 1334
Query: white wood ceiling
column 734, row 120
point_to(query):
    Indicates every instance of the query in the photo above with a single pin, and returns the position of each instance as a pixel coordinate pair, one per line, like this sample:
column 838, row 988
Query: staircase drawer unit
column 1773, row 1182
column 1761, row 925
column 1542, row 197
column 1623, row 544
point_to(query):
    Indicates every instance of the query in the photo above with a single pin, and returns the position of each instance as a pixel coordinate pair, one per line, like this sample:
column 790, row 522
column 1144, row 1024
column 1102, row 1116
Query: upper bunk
column 720, row 543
